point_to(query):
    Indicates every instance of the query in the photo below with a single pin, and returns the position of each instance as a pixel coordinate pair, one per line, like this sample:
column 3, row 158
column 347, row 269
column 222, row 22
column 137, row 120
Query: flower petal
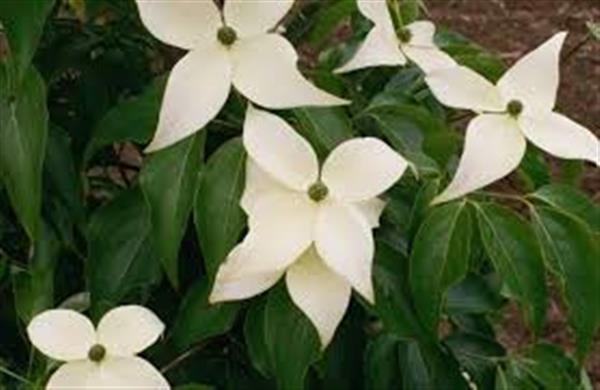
column 561, row 137
column 377, row 12
column 62, row 334
column 258, row 184
column 422, row 33
column 320, row 293
column 361, row 169
column 428, row 58
column 128, row 373
column 461, row 87
column 76, row 375
column 371, row 209
column 345, row 243
column 378, row 49
column 534, row 78
column 265, row 72
column 278, row 150
column 250, row 18
column 185, row 24
column 196, row 91
column 237, row 277
column 494, row 147
column 128, row 330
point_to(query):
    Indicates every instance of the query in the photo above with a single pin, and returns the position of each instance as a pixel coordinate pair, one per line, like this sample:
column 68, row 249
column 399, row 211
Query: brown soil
column 512, row 28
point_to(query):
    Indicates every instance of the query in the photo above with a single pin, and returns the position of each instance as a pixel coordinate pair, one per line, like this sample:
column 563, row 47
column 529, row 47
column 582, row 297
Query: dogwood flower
column 102, row 357
column 385, row 46
column 312, row 225
column 235, row 46
column 519, row 107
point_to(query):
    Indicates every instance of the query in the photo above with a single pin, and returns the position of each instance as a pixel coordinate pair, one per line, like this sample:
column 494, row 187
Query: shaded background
column 511, row 28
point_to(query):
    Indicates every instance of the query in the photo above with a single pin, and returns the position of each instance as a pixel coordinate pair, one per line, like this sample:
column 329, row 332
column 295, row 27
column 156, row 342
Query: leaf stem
column 182, row 357
column 14, row 375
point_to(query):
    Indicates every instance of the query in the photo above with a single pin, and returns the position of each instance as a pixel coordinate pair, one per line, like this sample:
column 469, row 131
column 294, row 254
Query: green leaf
column 23, row 22
column 34, row 288
column 571, row 201
column 122, row 260
column 410, row 10
column 324, row 127
column 194, row 386
column 382, row 368
column 198, row 319
column 473, row 295
column 572, row 252
column 511, row 244
column 23, row 133
column 132, row 120
column 169, row 180
column 549, row 366
column 594, row 29
column 218, row 216
column 415, row 374
column 439, row 259
column 477, row 355
column 328, row 18
column 291, row 339
column 254, row 334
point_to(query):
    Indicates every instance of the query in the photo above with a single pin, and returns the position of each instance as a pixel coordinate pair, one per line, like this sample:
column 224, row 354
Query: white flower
column 384, row 46
column 235, row 47
column 312, row 225
column 519, row 107
column 102, row 357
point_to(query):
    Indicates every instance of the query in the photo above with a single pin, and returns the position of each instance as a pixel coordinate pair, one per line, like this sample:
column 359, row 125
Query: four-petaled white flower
column 386, row 46
column 519, row 107
column 235, row 47
column 103, row 357
column 312, row 225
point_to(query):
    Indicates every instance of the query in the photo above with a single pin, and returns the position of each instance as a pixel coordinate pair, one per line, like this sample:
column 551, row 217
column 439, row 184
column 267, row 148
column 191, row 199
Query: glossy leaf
column 23, row 134
column 382, row 368
column 570, row 201
column 169, row 180
column 439, row 259
column 198, row 320
column 324, row 127
column 511, row 244
column 218, row 216
column 572, row 252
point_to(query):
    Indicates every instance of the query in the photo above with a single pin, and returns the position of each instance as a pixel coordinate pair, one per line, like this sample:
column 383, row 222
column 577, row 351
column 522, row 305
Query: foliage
column 87, row 221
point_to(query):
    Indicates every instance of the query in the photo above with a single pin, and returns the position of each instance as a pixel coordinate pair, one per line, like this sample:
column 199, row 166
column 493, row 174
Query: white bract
column 386, row 46
column 235, row 46
column 519, row 107
column 102, row 357
column 312, row 225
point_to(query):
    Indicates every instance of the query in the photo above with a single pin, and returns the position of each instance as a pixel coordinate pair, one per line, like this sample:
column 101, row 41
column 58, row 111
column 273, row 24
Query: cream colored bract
column 235, row 48
column 102, row 357
column 519, row 107
column 313, row 225
column 383, row 46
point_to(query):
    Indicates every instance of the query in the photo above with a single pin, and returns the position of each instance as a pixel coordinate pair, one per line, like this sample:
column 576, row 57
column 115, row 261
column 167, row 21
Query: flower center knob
column 97, row 353
column 405, row 35
column 514, row 108
column 318, row 191
column 226, row 35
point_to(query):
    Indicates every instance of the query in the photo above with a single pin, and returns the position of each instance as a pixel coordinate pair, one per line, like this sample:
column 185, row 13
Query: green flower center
column 97, row 353
column 226, row 35
column 514, row 108
column 404, row 35
column 318, row 191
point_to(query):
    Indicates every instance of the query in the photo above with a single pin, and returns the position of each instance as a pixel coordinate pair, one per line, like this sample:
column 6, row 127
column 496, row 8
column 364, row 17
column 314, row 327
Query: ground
column 511, row 28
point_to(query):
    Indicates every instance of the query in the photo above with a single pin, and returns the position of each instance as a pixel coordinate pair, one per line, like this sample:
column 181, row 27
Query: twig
column 577, row 47
column 179, row 359
column 14, row 375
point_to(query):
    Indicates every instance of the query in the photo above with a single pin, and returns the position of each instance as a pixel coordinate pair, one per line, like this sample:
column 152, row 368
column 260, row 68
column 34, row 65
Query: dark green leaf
column 218, row 217
column 169, row 180
column 324, row 127
column 382, row 368
column 549, row 365
column 292, row 341
column 414, row 371
column 198, row 319
column 439, row 259
column 511, row 244
column 23, row 133
column 571, row 201
column 132, row 120
column 23, row 22
column 572, row 251
column 328, row 18
column 121, row 257
column 472, row 295
column 255, row 336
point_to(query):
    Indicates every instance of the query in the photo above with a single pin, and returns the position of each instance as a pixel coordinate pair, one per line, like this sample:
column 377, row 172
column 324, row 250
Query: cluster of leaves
column 87, row 223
